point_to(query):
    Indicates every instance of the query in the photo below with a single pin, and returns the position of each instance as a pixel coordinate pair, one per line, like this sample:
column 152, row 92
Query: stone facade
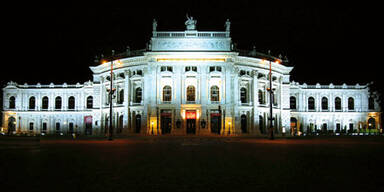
column 187, row 82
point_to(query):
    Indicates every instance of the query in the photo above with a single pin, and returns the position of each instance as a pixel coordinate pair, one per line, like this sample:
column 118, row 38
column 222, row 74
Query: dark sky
column 325, row 42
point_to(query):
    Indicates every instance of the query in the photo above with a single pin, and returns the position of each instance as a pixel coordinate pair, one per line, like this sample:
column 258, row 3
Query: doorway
column 191, row 122
column 166, row 122
column 215, row 123
column 243, row 124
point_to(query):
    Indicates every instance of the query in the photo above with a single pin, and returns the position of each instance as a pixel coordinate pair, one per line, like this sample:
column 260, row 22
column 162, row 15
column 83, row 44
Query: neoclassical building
column 189, row 82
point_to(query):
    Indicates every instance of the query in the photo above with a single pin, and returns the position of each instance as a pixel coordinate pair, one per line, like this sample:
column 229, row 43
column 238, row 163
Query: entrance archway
column 243, row 124
column 137, row 123
column 11, row 125
column 293, row 126
column 166, row 122
column 215, row 122
column 371, row 123
column 191, row 122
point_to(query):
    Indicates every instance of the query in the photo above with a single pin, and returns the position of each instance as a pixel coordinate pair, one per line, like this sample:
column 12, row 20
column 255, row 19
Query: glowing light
column 191, row 60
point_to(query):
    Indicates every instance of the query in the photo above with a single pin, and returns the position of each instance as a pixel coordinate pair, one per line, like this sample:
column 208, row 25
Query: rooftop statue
column 154, row 25
column 190, row 23
column 227, row 25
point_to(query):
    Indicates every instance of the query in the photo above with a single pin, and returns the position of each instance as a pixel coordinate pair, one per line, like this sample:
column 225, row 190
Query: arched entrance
column 11, row 125
column 371, row 123
column 166, row 121
column 137, row 123
column 293, row 126
column 261, row 124
column 191, row 122
column 243, row 124
column 215, row 122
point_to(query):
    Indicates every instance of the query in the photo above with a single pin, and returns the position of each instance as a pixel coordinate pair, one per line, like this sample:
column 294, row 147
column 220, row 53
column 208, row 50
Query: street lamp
column 270, row 90
column 111, row 91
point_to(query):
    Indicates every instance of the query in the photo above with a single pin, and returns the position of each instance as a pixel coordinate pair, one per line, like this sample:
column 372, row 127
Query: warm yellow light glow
column 103, row 61
column 191, row 60
column 277, row 61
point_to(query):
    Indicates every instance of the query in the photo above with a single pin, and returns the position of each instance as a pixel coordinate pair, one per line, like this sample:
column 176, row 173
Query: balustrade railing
column 189, row 34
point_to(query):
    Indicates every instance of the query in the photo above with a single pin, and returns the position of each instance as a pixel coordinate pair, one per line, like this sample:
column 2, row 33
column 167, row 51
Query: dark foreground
column 192, row 164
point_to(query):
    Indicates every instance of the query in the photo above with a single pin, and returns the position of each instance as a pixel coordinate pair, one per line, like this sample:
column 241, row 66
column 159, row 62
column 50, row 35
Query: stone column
column 126, row 102
column 255, row 120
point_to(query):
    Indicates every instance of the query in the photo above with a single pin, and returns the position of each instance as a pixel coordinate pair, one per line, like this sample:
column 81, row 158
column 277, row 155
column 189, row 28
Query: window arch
column 89, row 102
column 45, row 103
column 71, row 102
column 371, row 103
column 337, row 103
column 58, row 102
column 261, row 97
column 191, row 92
column 167, row 93
column 311, row 103
column 32, row 103
column 215, row 93
column 243, row 95
column 324, row 103
column 292, row 102
column 138, row 95
column 121, row 96
column 351, row 104
column 12, row 102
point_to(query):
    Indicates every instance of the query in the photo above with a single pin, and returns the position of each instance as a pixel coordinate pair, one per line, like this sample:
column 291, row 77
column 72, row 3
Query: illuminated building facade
column 189, row 82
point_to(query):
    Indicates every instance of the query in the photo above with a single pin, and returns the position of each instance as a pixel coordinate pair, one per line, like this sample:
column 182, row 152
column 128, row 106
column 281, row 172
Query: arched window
column 191, row 93
column 167, row 93
column 337, row 103
column 215, row 93
column 89, row 102
column 261, row 97
column 324, row 103
column 351, row 104
column 311, row 103
column 138, row 95
column 58, row 103
column 12, row 102
column 32, row 103
column 292, row 102
column 121, row 96
column 44, row 103
column 71, row 102
column 371, row 103
column 243, row 95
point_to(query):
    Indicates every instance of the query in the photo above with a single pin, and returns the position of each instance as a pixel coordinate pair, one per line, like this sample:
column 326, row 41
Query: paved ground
column 192, row 164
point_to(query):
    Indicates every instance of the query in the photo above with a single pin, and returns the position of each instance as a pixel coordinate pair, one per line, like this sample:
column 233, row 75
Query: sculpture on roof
column 227, row 25
column 154, row 25
column 190, row 23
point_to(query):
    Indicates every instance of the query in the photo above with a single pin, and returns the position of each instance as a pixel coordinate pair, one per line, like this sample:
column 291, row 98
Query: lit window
column 190, row 93
column 167, row 93
column 214, row 93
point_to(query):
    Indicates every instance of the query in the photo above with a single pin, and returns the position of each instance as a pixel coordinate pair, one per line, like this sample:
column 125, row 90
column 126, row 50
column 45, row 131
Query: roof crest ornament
column 190, row 23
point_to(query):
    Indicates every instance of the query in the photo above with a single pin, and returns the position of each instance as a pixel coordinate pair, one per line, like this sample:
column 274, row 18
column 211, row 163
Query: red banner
column 190, row 114
column 88, row 119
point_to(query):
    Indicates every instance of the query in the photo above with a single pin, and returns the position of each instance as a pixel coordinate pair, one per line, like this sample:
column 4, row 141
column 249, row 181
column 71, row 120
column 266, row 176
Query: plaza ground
column 192, row 163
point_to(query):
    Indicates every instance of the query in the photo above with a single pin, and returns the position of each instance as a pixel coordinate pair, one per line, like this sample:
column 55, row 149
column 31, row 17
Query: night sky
column 325, row 42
